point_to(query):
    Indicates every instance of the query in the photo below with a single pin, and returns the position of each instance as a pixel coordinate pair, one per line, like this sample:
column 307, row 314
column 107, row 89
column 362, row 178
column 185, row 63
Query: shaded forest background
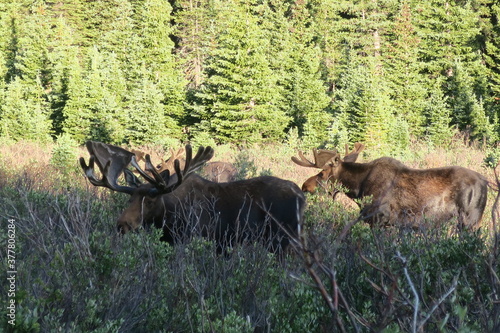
column 315, row 73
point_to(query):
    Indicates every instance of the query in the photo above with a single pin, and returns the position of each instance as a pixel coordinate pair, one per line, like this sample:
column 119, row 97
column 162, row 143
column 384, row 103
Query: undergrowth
column 76, row 274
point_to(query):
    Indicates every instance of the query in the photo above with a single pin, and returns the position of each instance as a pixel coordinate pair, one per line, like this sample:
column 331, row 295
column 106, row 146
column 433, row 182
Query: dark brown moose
column 268, row 209
column 401, row 195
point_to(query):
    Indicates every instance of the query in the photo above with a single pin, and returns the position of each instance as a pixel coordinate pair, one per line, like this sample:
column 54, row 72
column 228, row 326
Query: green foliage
column 467, row 110
column 146, row 115
column 64, row 156
column 245, row 165
column 245, row 71
column 76, row 273
column 240, row 97
column 492, row 157
column 439, row 119
column 23, row 113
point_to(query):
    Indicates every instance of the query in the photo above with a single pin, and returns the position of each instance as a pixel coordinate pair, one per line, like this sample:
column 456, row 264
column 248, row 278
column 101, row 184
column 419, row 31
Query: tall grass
column 76, row 274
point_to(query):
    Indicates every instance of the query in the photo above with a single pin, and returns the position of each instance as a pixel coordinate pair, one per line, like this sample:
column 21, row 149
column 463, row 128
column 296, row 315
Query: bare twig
column 416, row 304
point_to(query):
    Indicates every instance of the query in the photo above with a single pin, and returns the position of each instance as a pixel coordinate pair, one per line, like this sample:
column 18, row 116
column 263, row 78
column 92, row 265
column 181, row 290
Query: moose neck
column 352, row 175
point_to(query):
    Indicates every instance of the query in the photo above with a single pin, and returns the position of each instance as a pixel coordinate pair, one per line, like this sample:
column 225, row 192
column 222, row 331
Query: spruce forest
column 382, row 72
column 257, row 80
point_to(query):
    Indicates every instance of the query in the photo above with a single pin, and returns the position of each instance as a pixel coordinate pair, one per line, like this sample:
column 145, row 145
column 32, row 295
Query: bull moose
column 267, row 209
column 399, row 194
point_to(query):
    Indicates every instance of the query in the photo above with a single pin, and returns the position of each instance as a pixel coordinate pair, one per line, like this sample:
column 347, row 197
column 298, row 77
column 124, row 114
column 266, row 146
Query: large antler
column 353, row 155
column 321, row 157
column 113, row 161
column 164, row 182
column 168, row 164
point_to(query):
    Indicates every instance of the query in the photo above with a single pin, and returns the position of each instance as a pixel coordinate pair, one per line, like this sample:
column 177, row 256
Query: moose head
column 112, row 161
column 329, row 161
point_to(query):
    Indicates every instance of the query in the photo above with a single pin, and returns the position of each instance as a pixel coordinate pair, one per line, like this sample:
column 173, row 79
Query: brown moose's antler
column 353, row 155
column 113, row 161
column 321, row 157
column 168, row 164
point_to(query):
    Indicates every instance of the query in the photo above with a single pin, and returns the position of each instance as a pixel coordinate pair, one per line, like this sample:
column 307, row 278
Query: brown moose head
column 329, row 161
column 112, row 161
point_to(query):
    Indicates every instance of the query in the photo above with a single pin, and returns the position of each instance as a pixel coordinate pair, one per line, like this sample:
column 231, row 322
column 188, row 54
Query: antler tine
column 163, row 182
column 322, row 156
column 106, row 181
column 303, row 161
column 143, row 173
column 168, row 164
column 203, row 155
column 89, row 171
column 189, row 157
column 353, row 155
column 111, row 161
column 192, row 164
column 139, row 155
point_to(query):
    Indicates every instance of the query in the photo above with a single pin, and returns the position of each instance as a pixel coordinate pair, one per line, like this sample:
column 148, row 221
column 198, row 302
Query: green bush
column 75, row 273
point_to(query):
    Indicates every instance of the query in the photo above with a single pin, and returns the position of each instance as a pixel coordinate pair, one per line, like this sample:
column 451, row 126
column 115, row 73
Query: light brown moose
column 217, row 171
column 401, row 195
column 267, row 209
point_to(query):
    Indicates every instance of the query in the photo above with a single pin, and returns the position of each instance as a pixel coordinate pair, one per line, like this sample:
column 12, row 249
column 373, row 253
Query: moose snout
column 310, row 185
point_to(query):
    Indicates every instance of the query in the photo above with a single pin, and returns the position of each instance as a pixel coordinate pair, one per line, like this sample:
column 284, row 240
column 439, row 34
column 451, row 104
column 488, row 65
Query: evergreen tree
column 467, row 109
column 350, row 101
column 195, row 32
column 30, row 35
column 153, row 21
column 64, row 63
column 95, row 107
column 146, row 121
column 362, row 101
column 489, row 12
column 23, row 113
column 438, row 114
column 103, row 22
column 449, row 31
column 240, row 96
column 402, row 69
column 296, row 61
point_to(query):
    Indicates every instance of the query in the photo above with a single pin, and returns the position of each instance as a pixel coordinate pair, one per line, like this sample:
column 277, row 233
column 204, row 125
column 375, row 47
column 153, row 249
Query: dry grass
column 34, row 159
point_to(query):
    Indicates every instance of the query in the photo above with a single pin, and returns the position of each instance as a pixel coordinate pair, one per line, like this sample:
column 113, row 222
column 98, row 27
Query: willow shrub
column 75, row 273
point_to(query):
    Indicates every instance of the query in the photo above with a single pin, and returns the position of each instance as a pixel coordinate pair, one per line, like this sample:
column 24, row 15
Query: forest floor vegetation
column 74, row 273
